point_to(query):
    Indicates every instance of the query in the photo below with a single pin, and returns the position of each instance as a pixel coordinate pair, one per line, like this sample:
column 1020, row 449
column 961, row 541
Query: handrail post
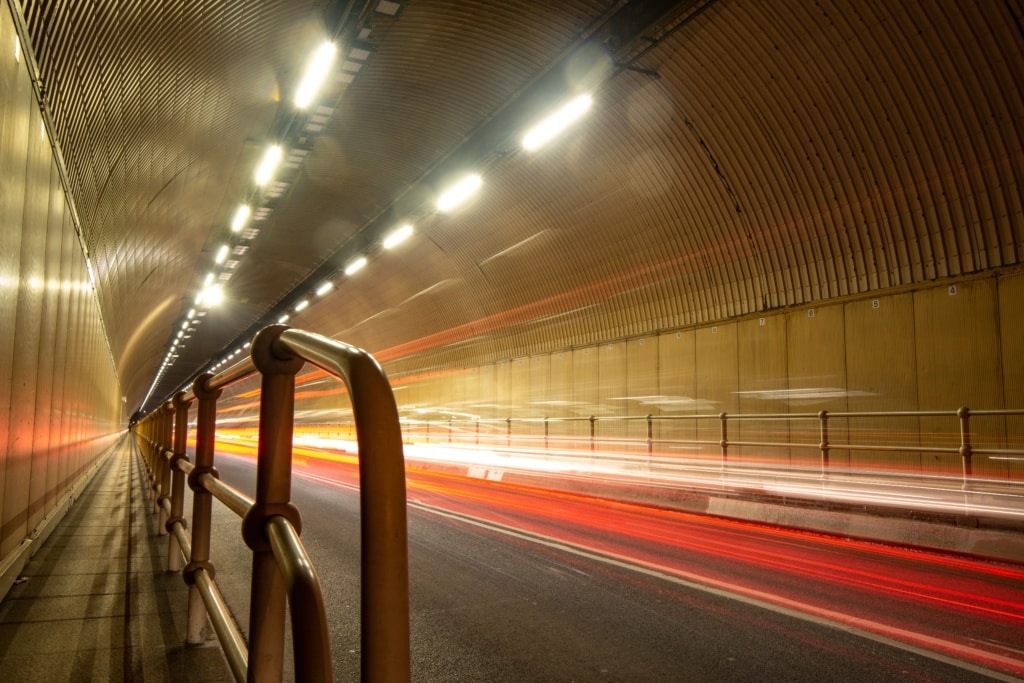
column 593, row 421
column 156, row 434
column 724, row 441
column 174, row 557
column 163, row 471
column 965, row 444
column 508, row 432
column 545, row 432
column 823, row 442
column 273, row 497
column 650, row 435
column 384, row 566
column 202, row 504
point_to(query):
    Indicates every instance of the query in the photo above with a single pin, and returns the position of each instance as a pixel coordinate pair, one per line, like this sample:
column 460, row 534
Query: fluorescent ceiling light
column 316, row 71
column 556, row 122
column 283, row 318
column 302, row 305
column 324, row 288
column 459, row 192
column 211, row 296
column 184, row 325
column 222, row 254
column 271, row 158
column 208, row 280
column 191, row 313
column 355, row 266
column 241, row 216
column 397, row 236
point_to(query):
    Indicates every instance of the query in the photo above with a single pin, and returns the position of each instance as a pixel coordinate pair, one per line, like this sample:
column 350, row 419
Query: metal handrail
column 964, row 445
column 270, row 526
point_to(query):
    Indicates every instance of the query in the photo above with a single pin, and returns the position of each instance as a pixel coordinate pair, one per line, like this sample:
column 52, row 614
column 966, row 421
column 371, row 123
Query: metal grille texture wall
column 60, row 402
column 742, row 158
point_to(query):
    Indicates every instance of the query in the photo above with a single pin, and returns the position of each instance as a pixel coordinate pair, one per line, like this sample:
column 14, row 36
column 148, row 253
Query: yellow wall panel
column 958, row 361
column 612, row 388
column 586, row 388
column 882, row 376
column 1011, row 329
column 487, row 388
column 677, row 364
column 817, row 376
column 641, row 383
column 561, row 404
column 717, row 376
column 762, row 373
column 540, row 385
column 957, row 346
column 539, row 402
column 500, row 405
column 519, row 388
column 717, row 380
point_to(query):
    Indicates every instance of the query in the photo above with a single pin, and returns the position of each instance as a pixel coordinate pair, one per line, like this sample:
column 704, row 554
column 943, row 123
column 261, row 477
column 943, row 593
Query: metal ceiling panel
column 739, row 157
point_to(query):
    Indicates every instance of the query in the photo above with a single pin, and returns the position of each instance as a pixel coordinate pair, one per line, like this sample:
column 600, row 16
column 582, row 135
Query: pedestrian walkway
column 95, row 602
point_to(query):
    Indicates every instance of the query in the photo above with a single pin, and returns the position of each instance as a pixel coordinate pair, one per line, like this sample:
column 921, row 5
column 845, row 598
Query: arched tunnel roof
column 738, row 157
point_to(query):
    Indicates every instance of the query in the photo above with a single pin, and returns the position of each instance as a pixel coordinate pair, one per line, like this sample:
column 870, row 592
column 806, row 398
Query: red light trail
column 942, row 606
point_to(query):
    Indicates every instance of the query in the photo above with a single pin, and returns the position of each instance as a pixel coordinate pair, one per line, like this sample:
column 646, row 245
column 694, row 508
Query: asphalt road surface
column 517, row 584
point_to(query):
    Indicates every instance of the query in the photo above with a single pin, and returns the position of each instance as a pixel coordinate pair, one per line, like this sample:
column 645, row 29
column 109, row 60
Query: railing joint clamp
column 254, row 523
column 189, row 572
column 173, row 464
column 193, row 478
column 169, row 524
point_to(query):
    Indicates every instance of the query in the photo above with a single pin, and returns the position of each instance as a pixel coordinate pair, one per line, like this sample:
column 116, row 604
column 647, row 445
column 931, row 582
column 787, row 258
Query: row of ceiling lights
column 211, row 293
column 455, row 195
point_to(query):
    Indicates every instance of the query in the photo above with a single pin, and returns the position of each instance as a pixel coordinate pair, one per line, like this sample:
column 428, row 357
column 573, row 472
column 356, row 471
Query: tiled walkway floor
column 95, row 602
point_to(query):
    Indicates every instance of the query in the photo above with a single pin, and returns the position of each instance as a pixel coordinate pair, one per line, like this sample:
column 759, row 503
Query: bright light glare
column 208, row 280
column 211, row 296
column 302, row 305
column 556, row 122
column 459, row 192
column 398, row 236
column 316, row 71
column 241, row 216
column 283, row 318
column 222, row 254
column 324, row 288
column 355, row 266
column 271, row 158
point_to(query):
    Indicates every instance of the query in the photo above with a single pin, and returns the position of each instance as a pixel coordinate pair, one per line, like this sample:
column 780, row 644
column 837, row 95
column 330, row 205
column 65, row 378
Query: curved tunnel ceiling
column 738, row 157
